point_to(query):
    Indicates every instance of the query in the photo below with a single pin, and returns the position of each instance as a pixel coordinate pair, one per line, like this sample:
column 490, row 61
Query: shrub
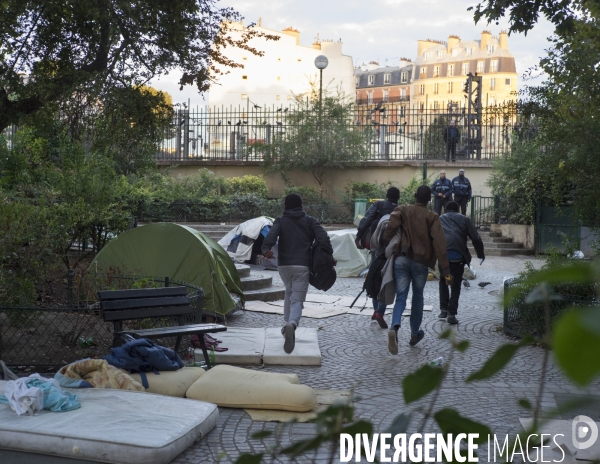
column 255, row 185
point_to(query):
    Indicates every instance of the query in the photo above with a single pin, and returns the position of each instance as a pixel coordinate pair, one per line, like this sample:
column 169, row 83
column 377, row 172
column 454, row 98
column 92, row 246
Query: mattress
column 114, row 426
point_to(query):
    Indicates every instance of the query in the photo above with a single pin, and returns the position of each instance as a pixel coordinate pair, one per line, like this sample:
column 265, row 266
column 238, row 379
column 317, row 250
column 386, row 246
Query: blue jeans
column 406, row 270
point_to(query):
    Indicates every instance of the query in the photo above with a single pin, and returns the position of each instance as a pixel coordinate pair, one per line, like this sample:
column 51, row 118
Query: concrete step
column 503, row 252
column 267, row 294
column 243, row 270
column 256, row 282
column 491, row 245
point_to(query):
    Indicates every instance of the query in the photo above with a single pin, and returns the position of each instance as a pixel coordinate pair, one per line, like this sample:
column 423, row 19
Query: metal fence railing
column 390, row 131
column 50, row 337
column 521, row 318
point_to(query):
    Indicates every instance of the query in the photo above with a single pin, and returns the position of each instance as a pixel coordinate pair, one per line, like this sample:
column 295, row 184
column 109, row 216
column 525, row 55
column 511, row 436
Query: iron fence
column 390, row 130
column 521, row 318
column 51, row 337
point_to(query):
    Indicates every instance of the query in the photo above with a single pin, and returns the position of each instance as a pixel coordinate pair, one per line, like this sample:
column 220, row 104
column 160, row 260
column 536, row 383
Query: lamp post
column 321, row 63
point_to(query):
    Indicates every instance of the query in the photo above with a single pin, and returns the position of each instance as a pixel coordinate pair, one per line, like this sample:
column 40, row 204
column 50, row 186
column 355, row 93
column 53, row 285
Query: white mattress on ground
column 257, row 346
column 245, row 346
column 114, row 426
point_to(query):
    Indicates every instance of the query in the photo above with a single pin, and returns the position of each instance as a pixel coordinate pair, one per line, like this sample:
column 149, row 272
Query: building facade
column 285, row 71
column 441, row 69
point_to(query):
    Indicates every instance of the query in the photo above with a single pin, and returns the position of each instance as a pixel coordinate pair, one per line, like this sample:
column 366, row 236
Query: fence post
column 70, row 276
column 424, row 172
column 473, row 211
column 382, row 130
column 496, row 209
column 167, row 282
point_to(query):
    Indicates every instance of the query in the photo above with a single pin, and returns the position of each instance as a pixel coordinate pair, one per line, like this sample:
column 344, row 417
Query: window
column 436, row 105
column 371, row 80
column 402, row 111
column 491, row 48
column 440, row 54
column 469, row 51
column 450, row 70
column 493, row 83
column 386, row 95
column 465, row 69
column 403, row 77
column 426, row 56
column 455, row 52
column 244, row 77
column 357, row 81
column 402, row 93
column 436, row 71
column 387, row 78
column 494, row 66
column 492, row 101
column 424, row 70
column 450, row 87
column 370, row 97
column 278, row 97
column 436, row 88
column 422, row 89
column 507, row 82
column 480, row 67
column 421, row 106
column 244, row 96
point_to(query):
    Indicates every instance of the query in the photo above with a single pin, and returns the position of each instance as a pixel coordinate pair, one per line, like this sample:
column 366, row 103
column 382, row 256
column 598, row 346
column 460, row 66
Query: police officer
column 462, row 190
column 442, row 191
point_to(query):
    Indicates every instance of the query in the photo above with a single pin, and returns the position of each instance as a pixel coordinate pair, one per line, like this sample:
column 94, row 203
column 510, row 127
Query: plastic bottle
column 437, row 362
column 190, row 356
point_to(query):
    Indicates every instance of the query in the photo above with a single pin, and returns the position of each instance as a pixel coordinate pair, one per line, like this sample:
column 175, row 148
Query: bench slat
column 163, row 311
column 177, row 330
column 106, row 295
column 145, row 303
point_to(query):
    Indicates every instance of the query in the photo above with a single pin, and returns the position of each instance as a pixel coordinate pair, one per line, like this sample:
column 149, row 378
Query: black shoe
column 289, row 332
column 393, row 341
column 414, row 340
column 452, row 319
column 443, row 314
column 283, row 331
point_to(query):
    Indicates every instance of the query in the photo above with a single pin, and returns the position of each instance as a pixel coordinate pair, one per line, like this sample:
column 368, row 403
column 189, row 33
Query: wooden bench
column 123, row 305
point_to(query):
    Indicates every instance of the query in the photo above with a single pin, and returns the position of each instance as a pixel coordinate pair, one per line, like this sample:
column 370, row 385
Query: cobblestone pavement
column 355, row 356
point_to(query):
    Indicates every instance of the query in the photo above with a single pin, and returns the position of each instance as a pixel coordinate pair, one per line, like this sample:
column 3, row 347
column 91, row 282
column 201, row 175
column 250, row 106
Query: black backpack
column 374, row 278
column 322, row 270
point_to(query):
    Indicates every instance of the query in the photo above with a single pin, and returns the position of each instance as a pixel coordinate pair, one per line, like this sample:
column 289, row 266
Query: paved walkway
column 355, row 357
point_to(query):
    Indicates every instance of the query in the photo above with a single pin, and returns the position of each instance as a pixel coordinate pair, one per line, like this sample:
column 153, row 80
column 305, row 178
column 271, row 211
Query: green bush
column 310, row 195
column 255, row 185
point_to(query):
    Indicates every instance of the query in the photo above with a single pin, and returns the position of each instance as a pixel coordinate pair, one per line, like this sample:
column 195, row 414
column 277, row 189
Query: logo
column 585, row 432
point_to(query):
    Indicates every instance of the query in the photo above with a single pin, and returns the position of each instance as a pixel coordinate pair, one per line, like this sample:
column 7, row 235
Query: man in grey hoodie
column 296, row 232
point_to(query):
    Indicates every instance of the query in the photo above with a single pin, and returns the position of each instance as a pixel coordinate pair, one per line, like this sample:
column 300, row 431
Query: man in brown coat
column 422, row 242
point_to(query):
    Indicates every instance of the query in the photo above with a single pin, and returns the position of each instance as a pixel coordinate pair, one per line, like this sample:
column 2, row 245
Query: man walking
column 442, row 192
column 296, row 232
column 462, row 191
column 366, row 227
column 451, row 138
column 421, row 243
column 457, row 228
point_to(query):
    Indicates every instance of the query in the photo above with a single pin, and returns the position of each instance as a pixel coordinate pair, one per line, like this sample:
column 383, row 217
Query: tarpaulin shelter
column 180, row 253
column 350, row 260
column 243, row 242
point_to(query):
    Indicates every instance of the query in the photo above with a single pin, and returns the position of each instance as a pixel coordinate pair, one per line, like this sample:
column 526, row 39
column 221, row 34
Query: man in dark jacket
column 462, row 190
column 421, row 244
column 457, row 228
column 296, row 232
column 442, row 192
column 451, row 137
column 367, row 226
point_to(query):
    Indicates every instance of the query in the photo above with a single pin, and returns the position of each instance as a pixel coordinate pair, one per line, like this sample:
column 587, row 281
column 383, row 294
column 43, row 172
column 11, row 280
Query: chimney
column 485, row 39
column 293, row 32
column 503, row 39
column 453, row 41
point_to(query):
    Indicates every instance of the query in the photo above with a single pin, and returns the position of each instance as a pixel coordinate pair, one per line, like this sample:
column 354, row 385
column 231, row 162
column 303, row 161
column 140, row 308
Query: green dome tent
column 177, row 252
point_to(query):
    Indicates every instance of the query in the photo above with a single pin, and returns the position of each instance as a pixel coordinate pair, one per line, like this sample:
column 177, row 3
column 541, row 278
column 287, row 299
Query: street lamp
column 321, row 63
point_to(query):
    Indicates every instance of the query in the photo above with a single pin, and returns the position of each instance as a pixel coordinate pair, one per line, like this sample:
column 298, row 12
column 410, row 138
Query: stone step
column 503, row 252
column 267, row 294
column 491, row 245
column 256, row 282
column 243, row 270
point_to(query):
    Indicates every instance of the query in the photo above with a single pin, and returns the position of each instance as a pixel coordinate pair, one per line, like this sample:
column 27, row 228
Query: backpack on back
column 322, row 271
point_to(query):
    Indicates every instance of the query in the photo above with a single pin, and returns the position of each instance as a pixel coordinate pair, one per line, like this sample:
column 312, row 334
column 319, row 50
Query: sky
column 376, row 30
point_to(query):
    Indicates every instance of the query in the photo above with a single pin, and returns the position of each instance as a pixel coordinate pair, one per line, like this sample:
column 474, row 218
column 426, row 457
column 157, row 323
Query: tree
column 316, row 140
column 50, row 49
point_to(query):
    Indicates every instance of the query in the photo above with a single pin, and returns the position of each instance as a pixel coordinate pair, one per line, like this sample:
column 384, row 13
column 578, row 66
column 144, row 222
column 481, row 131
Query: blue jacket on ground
column 462, row 187
column 442, row 186
column 143, row 355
